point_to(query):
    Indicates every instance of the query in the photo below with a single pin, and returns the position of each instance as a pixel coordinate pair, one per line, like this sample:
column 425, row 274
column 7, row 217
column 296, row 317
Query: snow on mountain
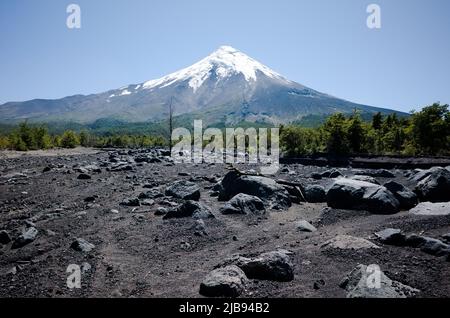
column 223, row 63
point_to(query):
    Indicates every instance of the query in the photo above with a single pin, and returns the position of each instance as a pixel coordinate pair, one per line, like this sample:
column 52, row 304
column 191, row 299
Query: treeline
column 426, row 132
column 423, row 133
column 26, row 137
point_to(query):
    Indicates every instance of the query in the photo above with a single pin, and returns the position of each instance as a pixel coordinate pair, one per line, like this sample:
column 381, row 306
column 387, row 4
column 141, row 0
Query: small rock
column 391, row 237
column 4, row 237
column 200, row 228
column 139, row 217
column 148, row 202
column 81, row 245
column 131, row 202
column 152, row 194
column 90, row 199
column 229, row 281
column 84, row 176
column 347, row 242
column 190, row 209
column 185, row 246
column 47, row 169
column 446, row 237
column 86, row 267
column 332, row 174
column 161, row 211
column 305, row 226
column 244, row 204
column 25, row 238
column 184, row 190
column 319, row 284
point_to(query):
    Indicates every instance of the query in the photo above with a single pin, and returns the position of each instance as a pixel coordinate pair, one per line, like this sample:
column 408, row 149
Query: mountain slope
column 227, row 86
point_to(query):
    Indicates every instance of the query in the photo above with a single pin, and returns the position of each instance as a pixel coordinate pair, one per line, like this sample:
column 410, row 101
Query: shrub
column 69, row 139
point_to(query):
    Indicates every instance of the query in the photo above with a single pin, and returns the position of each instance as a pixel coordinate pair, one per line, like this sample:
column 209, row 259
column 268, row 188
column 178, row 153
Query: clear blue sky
column 323, row 44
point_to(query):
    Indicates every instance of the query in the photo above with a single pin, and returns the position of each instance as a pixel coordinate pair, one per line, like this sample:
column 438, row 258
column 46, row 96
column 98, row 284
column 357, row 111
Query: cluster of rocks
column 189, row 208
column 426, row 244
column 362, row 192
column 274, row 195
column 121, row 161
column 230, row 278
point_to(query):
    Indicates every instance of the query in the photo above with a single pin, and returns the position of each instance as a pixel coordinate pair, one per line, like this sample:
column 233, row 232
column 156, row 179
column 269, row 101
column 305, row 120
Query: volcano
column 227, row 86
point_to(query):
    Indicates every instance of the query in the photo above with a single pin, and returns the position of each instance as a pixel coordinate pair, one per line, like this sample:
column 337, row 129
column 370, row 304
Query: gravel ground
column 138, row 254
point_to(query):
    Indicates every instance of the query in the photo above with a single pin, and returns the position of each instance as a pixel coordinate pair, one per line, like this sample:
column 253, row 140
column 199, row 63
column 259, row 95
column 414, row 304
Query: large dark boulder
column 406, row 197
column 315, row 194
column 273, row 194
column 433, row 185
column 274, row 266
column 244, row 204
column 184, row 190
column 360, row 195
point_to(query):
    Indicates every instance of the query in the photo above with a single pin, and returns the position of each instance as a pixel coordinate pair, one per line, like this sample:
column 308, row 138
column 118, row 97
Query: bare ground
column 138, row 254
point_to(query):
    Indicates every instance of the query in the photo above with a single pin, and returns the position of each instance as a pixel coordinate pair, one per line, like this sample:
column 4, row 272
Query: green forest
column 426, row 132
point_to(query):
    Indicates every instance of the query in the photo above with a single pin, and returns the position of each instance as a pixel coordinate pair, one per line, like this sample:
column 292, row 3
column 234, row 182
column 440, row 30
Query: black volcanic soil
column 138, row 254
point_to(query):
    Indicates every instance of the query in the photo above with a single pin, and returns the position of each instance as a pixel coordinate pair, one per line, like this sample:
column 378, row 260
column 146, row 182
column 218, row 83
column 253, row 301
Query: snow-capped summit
column 222, row 63
column 227, row 86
